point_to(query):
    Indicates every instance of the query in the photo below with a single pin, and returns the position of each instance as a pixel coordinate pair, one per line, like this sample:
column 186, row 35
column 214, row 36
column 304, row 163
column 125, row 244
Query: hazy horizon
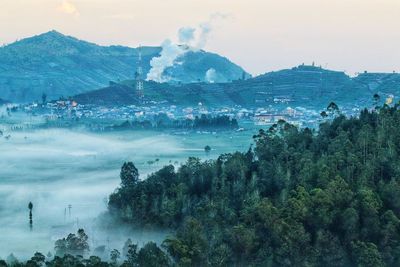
column 260, row 36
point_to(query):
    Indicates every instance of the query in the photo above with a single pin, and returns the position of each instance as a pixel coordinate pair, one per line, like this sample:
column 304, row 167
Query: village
column 63, row 113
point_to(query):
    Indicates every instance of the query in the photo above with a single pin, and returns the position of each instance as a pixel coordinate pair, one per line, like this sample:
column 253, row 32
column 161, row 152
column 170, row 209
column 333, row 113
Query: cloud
column 186, row 34
column 218, row 15
column 205, row 30
column 68, row 7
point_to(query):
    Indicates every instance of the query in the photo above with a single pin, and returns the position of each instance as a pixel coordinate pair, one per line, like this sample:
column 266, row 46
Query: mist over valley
column 199, row 133
column 56, row 168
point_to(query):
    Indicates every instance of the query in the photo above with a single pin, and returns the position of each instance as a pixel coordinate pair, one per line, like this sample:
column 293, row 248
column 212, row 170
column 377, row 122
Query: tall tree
column 114, row 256
column 129, row 175
column 30, row 207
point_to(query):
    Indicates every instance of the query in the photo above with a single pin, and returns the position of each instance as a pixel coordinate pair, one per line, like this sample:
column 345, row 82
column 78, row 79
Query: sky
column 259, row 35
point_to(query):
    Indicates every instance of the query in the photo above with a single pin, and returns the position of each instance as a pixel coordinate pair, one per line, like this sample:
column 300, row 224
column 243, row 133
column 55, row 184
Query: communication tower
column 139, row 76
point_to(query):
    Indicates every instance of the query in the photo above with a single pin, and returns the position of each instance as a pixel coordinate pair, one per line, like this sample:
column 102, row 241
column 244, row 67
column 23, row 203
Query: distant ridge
column 308, row 86
column 60, row 65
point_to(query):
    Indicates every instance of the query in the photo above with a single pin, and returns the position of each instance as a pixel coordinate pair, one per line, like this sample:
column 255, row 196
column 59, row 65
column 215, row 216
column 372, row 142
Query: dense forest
column 299, row 197
column 162, row 121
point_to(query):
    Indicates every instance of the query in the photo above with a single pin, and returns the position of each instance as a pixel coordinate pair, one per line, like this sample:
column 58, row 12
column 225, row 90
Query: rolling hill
column 60, row 65
column 300, row 86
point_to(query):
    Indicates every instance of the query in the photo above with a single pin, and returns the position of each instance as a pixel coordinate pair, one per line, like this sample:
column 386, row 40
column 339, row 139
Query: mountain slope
column 60, row 65
column 201, row 66
column 307, row 86
column 2, row 101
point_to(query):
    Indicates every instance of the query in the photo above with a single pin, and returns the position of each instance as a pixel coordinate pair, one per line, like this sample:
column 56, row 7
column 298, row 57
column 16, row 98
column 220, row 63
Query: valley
column 56, row 168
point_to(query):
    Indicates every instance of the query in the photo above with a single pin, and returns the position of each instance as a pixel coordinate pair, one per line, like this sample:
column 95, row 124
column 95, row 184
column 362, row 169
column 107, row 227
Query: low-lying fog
column 58, row 168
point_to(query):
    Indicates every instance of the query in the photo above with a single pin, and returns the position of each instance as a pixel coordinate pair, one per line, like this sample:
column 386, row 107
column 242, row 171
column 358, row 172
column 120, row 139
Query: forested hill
column 298, row 198
column 306, row 86
column 61, row 65
column 2, row 101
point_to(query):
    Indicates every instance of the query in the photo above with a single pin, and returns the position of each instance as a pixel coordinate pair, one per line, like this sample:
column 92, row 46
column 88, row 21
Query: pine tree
column 129, row 175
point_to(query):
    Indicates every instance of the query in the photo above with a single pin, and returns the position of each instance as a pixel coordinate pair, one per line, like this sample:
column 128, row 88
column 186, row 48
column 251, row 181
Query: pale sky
column 259, row 35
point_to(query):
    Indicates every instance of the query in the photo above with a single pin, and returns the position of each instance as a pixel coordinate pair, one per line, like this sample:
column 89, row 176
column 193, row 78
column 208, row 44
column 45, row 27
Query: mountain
column 383, row 83
column 303, row 85
column 2, row 102
column 60, row 65
column 201, row 66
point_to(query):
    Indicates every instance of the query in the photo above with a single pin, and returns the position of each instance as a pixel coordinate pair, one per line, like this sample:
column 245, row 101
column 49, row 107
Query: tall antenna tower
column 139, row 76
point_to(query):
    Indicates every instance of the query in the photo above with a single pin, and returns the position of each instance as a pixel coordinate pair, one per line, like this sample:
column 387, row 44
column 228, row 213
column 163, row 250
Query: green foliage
column 126, row 247
column 189, row 248
column 299, row 198
column 129, row 175
column 162, row 121
column 114, row 256
column 152, row 256
column 38, row 259
column 148, row 256
column 74, row 244
column 210, row 122
column 366, row 254
column 132, row 255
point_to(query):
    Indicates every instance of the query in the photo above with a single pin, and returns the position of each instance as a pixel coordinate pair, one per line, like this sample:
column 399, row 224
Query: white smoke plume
column 204, row 33
column 169, row 53
column 211, row 75
column 186, row 34
column 191, row 39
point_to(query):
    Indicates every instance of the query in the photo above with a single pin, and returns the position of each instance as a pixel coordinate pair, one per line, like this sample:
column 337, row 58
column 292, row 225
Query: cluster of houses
column 70, row 110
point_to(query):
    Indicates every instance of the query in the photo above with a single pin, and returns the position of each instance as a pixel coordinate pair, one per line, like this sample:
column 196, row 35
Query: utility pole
column 69, row 210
